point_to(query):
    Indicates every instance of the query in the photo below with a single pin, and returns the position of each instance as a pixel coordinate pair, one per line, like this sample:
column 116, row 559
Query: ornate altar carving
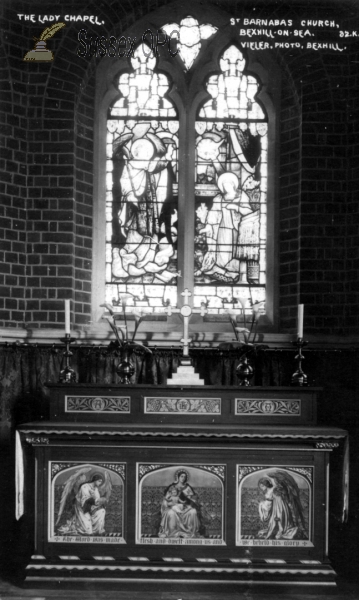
column 135, row 483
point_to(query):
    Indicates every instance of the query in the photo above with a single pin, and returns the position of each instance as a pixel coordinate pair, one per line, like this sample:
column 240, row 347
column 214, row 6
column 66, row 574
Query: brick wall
column 46, row 166
column 57, row 158
column 351, row 282
column 324, row 188
column 289, row 193
column 318, row 240
column 84, row 200
column 50, row 190
column 13, row 171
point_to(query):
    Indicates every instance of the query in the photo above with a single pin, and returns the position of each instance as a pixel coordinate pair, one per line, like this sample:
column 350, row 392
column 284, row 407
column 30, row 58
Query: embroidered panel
column 98, row 404
column 182, row 405
column 267, row 407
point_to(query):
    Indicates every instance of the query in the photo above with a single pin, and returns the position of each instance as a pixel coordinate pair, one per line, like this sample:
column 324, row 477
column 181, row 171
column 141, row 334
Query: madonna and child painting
column 180, row 504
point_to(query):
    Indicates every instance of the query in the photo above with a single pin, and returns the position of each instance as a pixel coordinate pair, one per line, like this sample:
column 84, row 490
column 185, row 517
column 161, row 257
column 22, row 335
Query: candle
column 300, row 320
column 67, row 317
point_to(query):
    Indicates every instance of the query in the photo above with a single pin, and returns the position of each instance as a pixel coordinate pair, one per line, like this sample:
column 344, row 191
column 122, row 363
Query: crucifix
column 186, row 311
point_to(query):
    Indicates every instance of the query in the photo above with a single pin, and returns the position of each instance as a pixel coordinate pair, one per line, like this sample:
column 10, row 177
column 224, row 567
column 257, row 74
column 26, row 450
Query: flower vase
column 244, row 371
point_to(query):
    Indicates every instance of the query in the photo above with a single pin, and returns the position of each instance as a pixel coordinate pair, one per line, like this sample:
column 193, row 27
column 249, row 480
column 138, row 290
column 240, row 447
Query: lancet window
column 230, row 184
column 230, row 190
column 142, row 189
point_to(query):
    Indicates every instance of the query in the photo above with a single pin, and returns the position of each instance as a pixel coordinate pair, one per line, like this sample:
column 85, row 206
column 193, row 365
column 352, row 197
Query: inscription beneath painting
column 182, row 542
column 267, row 407
column 98, row 404
column 251, row 542
column 181, row 405
column 69, row 539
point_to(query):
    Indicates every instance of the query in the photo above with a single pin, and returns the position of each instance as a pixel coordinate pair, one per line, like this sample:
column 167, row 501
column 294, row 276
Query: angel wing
column 286, row 486
column 106, row 488
column 71, row 488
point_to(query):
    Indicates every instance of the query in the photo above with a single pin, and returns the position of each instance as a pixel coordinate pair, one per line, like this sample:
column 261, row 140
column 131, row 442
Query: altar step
column 185, row 376
column 71, row 571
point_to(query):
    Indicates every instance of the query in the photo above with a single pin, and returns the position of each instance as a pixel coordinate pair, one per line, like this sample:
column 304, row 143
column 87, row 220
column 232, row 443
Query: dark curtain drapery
column 25, row 369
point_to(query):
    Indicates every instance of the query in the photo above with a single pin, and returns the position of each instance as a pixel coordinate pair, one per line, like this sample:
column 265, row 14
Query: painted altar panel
column 86, row 502
column 275, row 506
column 180, row 504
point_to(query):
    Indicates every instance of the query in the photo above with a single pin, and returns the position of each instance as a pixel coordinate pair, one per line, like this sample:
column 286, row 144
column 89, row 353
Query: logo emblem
column 40, row 53
column 268, row 406
column 183, row 405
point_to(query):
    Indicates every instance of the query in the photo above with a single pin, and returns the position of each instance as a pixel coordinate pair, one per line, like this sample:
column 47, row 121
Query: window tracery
column 189, row 34
column 230, row 190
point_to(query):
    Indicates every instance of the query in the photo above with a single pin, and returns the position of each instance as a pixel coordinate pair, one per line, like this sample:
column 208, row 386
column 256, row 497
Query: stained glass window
column 231, row 173
column 189, row 34
column 231, row 190
column 142, row 189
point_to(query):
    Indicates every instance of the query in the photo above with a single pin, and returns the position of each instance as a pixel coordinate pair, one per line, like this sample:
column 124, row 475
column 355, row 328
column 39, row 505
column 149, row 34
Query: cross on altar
column 186, row 311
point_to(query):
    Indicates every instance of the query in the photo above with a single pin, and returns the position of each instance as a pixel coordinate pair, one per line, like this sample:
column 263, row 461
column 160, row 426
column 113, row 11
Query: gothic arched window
column 230, row 190
column 188, row 181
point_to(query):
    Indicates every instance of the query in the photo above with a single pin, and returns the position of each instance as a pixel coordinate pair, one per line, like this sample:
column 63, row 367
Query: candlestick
column 300, row 320
column 67, row 374
column 67, row 317
column 299, row 377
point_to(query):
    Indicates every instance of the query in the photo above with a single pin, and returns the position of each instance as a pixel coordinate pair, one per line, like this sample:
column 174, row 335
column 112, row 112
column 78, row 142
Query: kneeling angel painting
column 86, row 502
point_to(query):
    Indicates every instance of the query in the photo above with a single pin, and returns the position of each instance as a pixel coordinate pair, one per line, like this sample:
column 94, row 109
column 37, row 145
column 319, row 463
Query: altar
column 158, row 484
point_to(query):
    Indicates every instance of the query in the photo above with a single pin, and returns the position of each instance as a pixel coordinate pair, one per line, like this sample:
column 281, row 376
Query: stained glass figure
column 231, row 190
column 189, row 34
column 141, row 189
